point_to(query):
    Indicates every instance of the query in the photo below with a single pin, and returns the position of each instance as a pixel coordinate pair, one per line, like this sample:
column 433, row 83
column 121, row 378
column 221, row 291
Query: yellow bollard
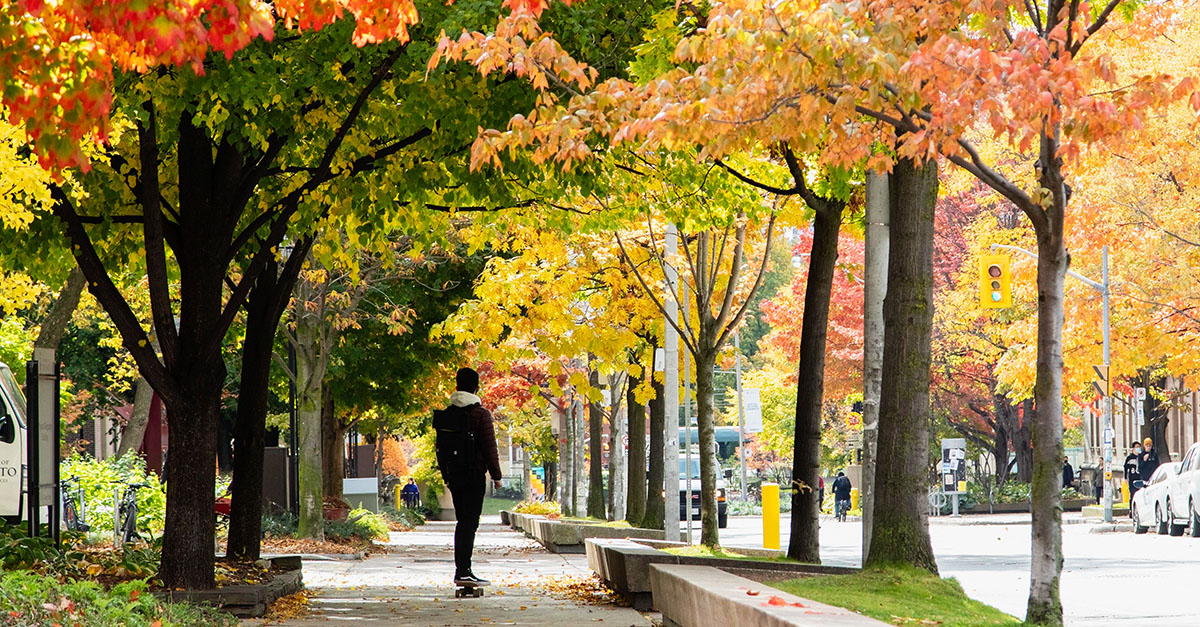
column 1124, row 492
column 770, row 510
column 397, row 502
column 853, row 498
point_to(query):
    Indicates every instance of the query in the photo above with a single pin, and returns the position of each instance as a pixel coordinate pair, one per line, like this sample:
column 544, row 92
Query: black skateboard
column 467, row 590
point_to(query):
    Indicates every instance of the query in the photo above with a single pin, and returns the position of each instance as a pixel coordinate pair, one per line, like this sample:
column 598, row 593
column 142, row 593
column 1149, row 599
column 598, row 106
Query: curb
column 1111, row 528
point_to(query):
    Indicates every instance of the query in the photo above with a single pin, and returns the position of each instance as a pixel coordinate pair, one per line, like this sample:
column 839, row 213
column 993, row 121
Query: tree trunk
column 187, row 553
column 566, row 448
column 1023, row 443
column 551, row 473
column 805, row 544
column 139, row 417
column 595, row 503
column 617, row 471
column 706, row 427
column 1005, row 426
column 309, row 375
column 875, row 274
column 1045, row 607
column 635, row 500
column 250, row 428
column 333, row 448
column 654, row 514
column 901, row 526
column 526, row 474
column 54, row 325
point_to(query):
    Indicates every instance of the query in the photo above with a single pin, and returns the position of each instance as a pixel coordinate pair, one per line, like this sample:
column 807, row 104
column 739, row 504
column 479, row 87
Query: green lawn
column 721, row 552
column 899, row 596
column 493, row 505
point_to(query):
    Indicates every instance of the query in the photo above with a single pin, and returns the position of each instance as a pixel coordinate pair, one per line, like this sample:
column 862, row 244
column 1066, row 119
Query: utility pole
column 876, row 264
column 737, row 371
column 1102, row 371
column 671, row 390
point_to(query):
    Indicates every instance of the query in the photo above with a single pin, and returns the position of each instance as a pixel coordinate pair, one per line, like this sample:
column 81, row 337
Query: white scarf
column 464, row 399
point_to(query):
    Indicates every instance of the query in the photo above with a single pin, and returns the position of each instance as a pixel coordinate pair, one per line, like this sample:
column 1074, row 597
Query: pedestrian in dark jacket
column 1068, row 473
column 841, row 495
column 468, row 483
column 1148, row 460
column 1131, row 470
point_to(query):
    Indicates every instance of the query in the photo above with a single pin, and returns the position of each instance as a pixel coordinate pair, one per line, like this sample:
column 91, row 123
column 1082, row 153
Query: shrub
column 361, row 524
column 277, row 524
column 407, row 516
column 544, row 508
column 98, row 478
column 32, row 599
column 512, row 490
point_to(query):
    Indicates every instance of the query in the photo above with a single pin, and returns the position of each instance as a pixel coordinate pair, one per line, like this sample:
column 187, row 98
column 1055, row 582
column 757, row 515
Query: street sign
column 1108, row 436
column 660, row 360
column 1139, row 396
column 752, row 406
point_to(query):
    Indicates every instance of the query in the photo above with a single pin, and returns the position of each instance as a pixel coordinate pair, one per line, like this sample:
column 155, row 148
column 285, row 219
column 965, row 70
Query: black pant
column 467, row 493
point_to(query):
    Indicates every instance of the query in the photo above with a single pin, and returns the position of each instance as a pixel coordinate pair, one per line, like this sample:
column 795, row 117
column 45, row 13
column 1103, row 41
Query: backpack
column 455, row 443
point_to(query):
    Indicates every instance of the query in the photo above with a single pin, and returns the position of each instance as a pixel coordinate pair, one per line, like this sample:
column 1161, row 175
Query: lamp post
column 1106, row 440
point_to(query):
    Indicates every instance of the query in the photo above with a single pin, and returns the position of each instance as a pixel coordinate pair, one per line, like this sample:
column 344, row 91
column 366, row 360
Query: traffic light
column 995, row 282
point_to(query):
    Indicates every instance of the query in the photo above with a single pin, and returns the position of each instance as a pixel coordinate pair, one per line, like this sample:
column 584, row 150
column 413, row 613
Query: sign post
column 954, row 469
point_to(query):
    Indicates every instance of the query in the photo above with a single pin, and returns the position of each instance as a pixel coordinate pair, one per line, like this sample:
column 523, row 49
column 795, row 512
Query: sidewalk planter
column 504, row 516
column 568, row 536
column 249, row 600
column 624, row 565
column 698, row 596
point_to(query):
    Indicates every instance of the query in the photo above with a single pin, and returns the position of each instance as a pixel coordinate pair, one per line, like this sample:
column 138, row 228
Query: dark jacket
column 1131, row 469
column 1068, row 474
column 1147, row 464
column 485, row 434
column 841, row 488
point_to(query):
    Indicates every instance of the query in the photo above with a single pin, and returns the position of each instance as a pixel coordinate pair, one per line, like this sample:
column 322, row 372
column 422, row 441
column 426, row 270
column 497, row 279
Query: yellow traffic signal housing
column 995, row 282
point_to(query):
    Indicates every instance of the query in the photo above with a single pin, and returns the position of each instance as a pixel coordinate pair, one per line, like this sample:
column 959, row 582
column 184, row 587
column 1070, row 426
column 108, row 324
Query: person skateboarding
column 466, row 454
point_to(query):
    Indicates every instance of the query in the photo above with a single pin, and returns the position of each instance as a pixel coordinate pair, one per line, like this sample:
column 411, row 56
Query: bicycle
column 73, row 518
column 127, row 515
column 840, row 507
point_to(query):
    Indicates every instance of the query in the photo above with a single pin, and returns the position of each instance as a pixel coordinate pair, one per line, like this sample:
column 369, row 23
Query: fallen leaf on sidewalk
column 780, row 602
column 752, row 593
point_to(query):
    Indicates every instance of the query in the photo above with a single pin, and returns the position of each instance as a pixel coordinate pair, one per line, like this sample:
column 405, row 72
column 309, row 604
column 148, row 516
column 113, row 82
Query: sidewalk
column 411, row 584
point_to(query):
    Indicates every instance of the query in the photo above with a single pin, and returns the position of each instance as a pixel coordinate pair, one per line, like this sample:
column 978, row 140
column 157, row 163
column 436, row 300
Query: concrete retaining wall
column 700, row 596
column 624, row 565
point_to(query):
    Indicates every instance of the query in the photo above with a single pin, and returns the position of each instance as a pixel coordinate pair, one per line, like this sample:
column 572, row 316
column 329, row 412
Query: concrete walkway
column 411, row 585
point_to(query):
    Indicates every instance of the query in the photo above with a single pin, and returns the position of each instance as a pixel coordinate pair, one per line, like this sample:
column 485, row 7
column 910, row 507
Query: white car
column 1150, row 502
column 1183, row 495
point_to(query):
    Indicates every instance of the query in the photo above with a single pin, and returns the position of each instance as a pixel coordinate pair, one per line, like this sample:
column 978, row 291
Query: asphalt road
column 1108, row 578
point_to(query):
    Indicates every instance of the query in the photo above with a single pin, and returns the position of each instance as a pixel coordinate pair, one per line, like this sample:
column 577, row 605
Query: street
column 1108, row 578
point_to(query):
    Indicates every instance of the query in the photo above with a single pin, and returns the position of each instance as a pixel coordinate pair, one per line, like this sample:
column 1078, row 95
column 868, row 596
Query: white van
column 12, row 447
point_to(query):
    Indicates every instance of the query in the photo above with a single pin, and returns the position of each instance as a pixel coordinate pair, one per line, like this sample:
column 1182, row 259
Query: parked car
column 1150, row 503
column 1183, row 495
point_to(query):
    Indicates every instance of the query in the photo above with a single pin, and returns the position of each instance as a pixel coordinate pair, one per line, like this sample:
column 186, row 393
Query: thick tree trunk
column 635, row 500
column 333, row 448
column 706, row 426
column 595, row 503
column 654, row 515
column 901, row 525
column 135, row 430
column 309, row 375
column 54, row 325
column 804, row 544
column 1045, row 607
column 187, row 554
column 526, row 474
column 250, row 428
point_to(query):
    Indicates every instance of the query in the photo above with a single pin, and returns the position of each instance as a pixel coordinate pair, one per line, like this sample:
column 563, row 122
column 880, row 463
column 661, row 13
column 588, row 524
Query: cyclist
column 841, row 495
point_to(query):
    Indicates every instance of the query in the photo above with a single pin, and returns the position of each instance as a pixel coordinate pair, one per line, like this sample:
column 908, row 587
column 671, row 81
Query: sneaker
column 470, row 580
